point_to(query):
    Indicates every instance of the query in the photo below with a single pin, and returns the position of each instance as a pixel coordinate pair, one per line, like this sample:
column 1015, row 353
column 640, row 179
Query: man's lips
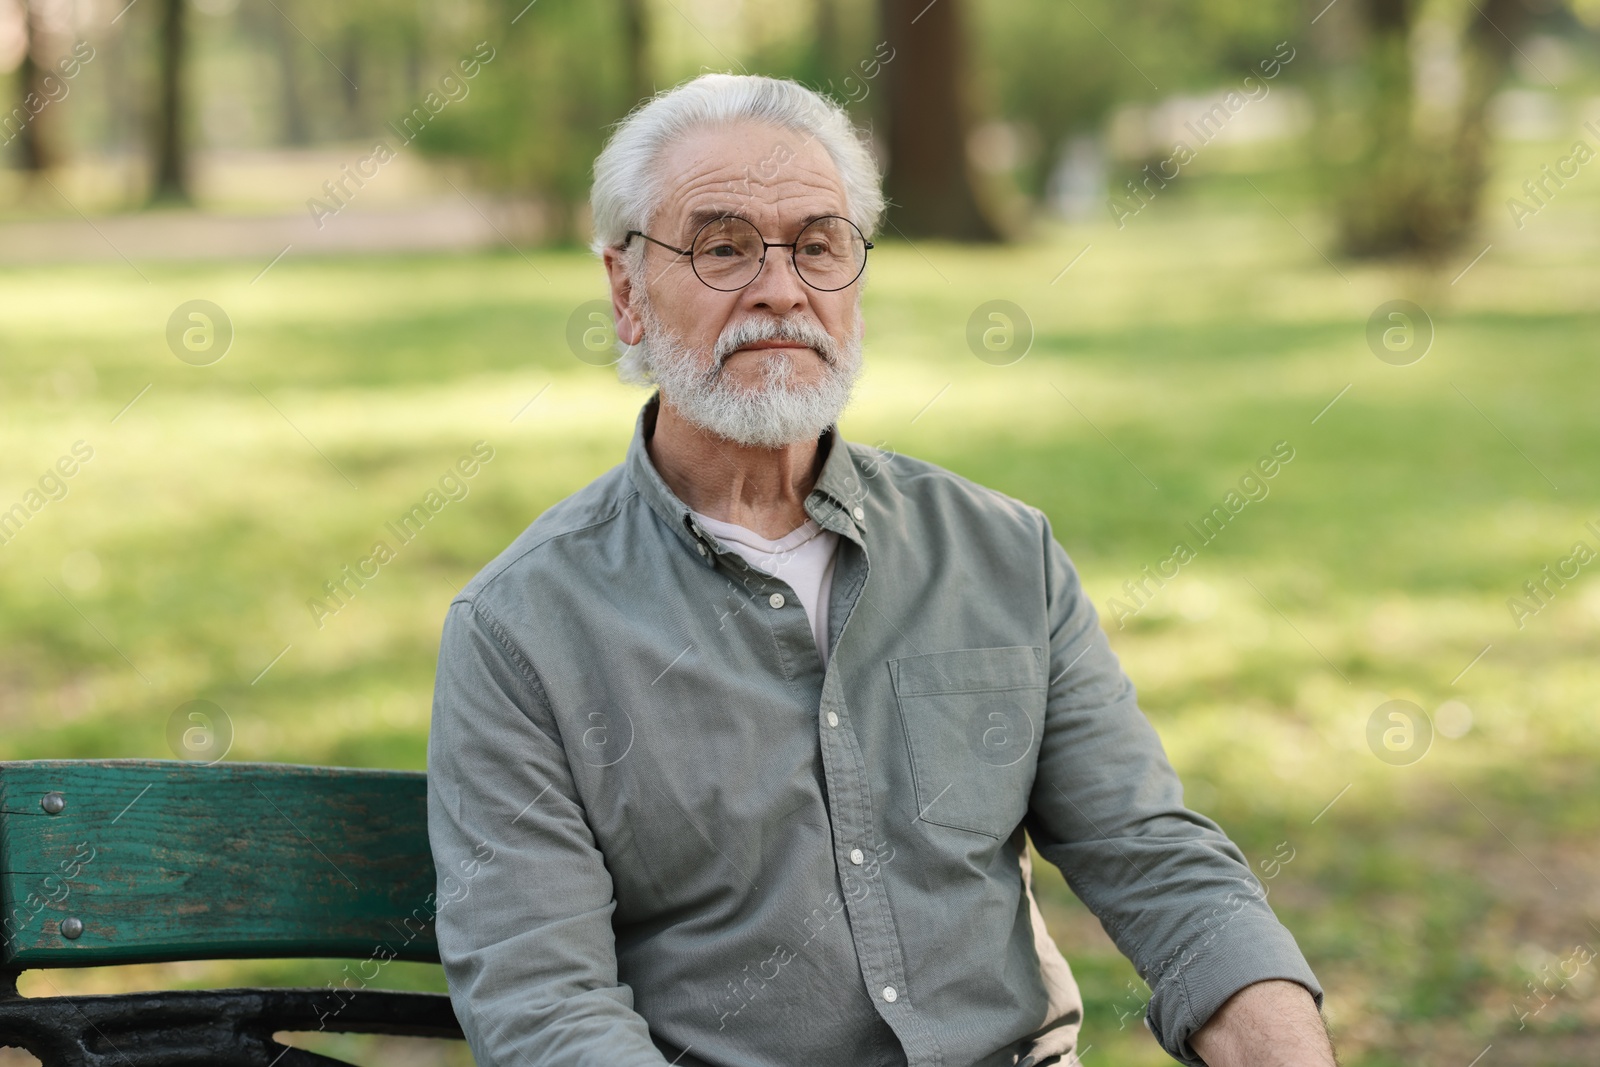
column 759, row 348
column 774, row 344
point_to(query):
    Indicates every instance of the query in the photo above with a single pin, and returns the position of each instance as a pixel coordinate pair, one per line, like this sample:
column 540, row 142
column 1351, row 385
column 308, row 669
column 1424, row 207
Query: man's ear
column 629, row 329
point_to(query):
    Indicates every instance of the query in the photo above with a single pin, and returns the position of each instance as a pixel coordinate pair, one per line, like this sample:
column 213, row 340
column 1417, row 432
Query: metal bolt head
column 52, row 803
column 72, row 928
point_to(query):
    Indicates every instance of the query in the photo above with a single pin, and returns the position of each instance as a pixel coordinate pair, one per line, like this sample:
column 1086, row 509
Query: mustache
column 799, row 331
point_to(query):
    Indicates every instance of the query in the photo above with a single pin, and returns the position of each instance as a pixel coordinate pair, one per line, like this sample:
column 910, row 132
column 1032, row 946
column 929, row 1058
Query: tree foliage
column 1400, row 151
column 1403, row 138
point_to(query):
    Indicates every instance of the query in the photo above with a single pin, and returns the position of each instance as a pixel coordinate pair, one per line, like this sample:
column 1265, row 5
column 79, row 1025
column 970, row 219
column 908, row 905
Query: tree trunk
column 928, row 184
column 636, row 49
column 349, row 84
column 171, row 148
column 1411, row 178
column 296, row 131
column 33, row 139
column 828, row 59
column 1487, row 59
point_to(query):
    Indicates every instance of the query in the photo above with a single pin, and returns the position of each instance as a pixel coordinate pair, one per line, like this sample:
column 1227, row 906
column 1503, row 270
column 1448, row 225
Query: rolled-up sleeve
column 524, row 899
column 1169, row 887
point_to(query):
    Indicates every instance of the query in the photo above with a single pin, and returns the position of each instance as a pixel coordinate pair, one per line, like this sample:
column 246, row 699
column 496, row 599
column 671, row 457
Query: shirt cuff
column 1204, row 975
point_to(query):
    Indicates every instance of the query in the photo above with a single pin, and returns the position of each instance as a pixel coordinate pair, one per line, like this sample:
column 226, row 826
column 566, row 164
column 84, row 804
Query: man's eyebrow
column 700, row 216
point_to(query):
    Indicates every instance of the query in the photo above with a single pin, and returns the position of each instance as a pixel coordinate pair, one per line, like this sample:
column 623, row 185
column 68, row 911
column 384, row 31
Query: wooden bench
column 143, row 861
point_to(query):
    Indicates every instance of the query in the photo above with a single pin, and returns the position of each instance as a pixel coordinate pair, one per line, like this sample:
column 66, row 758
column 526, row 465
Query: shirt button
column 859, row 515
column 776, row 600
column 889, row 994
column 857, row 856
column 701, row 547
column 833, row 719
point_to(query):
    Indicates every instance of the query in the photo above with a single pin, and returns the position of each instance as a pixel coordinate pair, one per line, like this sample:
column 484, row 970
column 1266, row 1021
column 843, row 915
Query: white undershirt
column 803, row 558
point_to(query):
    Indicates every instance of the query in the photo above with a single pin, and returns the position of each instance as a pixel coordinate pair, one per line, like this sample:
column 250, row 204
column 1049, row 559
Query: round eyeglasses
column 727, row 252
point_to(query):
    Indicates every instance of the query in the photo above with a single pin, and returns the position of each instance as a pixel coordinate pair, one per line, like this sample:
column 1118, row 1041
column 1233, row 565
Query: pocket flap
column 969, row 670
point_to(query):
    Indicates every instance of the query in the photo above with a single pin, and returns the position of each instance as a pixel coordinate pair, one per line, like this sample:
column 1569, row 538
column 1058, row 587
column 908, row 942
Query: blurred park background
column 1368, row 229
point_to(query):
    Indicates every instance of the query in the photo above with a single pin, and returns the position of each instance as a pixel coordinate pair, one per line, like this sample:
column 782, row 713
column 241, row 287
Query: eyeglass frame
column 765, row 244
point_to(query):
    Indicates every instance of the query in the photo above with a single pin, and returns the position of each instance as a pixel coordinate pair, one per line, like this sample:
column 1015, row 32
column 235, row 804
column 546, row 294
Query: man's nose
column 777, row 286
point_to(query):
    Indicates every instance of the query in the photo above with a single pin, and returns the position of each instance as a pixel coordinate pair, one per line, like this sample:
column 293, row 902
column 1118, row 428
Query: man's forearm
column 1267, row 1024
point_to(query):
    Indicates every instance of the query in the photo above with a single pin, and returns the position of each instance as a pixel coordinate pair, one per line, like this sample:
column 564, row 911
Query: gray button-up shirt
column 665, row 834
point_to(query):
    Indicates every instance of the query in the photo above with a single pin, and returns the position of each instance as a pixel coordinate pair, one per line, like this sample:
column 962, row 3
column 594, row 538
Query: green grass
column 1188, row 343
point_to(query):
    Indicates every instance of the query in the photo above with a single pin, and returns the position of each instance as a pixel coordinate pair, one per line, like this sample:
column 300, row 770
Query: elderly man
column 736, row 752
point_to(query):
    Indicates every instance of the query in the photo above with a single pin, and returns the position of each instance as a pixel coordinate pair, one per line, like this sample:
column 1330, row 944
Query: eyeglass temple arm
column 640, row 233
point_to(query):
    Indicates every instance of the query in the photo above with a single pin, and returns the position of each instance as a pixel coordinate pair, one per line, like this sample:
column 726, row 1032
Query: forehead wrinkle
column 714, row 182
column 806, row 202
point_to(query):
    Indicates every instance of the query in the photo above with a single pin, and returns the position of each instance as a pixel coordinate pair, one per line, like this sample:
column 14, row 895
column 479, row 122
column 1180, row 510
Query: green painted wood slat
column 166, row 860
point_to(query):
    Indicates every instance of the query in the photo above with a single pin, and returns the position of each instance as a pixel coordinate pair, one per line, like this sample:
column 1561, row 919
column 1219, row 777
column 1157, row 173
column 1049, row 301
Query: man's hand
column 1267, row 1024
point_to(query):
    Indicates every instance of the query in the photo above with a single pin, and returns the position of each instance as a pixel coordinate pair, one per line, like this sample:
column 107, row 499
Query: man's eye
column 815, row 248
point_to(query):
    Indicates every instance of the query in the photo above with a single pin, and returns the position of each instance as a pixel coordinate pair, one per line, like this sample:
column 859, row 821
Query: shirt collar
column 836, row 501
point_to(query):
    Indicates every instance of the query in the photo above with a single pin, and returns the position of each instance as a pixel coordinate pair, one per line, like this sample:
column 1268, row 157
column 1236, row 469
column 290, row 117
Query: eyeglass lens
column 829, row 253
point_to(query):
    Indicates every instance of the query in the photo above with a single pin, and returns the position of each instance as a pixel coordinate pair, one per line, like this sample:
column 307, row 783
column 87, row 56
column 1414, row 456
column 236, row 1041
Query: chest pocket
column 972, row 719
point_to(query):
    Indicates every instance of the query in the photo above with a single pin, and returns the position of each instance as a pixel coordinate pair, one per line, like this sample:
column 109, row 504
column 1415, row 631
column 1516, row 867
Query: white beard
column 775, row 413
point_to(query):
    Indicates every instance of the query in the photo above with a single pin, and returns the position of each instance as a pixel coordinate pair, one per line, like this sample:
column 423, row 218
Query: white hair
column 627, row 186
